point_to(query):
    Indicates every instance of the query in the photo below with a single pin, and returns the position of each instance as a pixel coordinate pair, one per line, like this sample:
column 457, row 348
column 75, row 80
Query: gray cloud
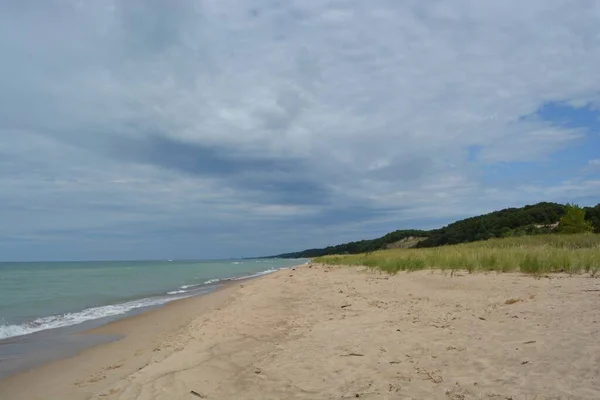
column 120, row 120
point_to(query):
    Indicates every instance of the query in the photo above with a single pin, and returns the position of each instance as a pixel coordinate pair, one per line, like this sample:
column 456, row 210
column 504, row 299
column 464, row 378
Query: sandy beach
column 341, row 332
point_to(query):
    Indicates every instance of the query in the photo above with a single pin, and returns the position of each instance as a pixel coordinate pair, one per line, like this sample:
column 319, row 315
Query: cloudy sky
column 224, row 128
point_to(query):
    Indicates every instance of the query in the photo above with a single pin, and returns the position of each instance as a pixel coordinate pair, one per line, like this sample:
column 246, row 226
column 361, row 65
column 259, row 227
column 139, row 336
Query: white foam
column 268, row 271
column 177, row 292
column 189, row 286
column 68, row 319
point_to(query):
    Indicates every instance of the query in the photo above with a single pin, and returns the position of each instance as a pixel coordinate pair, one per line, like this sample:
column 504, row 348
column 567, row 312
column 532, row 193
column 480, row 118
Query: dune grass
column 529, row 254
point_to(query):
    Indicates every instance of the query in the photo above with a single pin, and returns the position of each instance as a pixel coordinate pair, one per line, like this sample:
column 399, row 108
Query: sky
column 149, row 129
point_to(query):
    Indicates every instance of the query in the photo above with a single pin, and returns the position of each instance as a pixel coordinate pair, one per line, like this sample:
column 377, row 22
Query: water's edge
column 24, row 352
column 101, row 312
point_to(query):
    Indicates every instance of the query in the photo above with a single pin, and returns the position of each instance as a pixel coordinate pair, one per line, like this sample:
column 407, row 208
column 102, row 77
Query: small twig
column 530, row 342
column 434, row 379
column 346, row 305
column 352, row 355
column 197, row 394
column 592, row 290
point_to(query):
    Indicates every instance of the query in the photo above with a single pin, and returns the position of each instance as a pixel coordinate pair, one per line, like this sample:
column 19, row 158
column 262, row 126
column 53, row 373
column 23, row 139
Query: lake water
column 41, row 296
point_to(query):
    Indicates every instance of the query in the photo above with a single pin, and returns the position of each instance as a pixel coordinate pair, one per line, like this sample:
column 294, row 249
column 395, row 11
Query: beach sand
column 341, row 332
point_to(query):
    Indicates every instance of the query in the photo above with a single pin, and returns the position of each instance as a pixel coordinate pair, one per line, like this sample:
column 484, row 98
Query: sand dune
column 334, row 333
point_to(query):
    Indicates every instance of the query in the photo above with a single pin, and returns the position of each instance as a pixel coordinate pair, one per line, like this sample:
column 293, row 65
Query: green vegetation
column 528, row 220
column 537, row 219
column 592, row 215
column 529, row 254
column 362, row 246
column 574, row 221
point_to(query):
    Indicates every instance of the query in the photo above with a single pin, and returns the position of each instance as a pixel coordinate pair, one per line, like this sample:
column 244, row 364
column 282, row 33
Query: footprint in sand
column 91, row 379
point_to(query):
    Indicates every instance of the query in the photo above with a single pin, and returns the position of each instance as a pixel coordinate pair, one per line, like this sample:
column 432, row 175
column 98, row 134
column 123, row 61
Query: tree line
column 534, row 219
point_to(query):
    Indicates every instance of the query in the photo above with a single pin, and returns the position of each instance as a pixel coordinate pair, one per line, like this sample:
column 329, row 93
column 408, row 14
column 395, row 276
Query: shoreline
column 140, row 332
column 61, row 343
column 26, row 351
column 92, row 334
column 338, row 332
column 22, row 320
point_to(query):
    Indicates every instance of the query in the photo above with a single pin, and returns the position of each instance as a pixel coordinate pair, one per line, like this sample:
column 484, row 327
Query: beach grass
column 535, row 255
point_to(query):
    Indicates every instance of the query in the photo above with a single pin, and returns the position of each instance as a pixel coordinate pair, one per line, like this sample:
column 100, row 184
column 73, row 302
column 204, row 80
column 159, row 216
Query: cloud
column 123, row 120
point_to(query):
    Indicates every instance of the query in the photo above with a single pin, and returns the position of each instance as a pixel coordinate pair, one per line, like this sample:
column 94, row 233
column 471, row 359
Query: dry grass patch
column 535, row 255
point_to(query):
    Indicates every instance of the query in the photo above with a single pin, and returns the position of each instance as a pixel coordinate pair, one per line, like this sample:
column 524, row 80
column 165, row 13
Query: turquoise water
column 40, row 296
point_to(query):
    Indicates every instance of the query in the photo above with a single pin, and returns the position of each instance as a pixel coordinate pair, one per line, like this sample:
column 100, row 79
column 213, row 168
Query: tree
column 592, row 214
column 574, row 220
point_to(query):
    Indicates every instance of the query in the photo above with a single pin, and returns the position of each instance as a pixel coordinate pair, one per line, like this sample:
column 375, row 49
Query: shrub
column 574, row 221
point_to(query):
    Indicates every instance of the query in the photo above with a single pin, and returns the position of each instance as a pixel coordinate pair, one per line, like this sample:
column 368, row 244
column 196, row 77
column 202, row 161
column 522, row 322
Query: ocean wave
column 177, row 292
column 74, row 318
column 68, row 319
column 268, row 271
column 190, row 286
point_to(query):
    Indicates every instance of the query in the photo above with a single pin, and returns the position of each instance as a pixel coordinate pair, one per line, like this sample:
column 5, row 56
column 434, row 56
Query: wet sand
column 24, row 352
column 331, row 333
column 87, row 373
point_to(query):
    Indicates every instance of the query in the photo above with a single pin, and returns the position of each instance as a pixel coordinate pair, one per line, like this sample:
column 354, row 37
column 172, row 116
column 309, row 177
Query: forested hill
column 531, row 219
